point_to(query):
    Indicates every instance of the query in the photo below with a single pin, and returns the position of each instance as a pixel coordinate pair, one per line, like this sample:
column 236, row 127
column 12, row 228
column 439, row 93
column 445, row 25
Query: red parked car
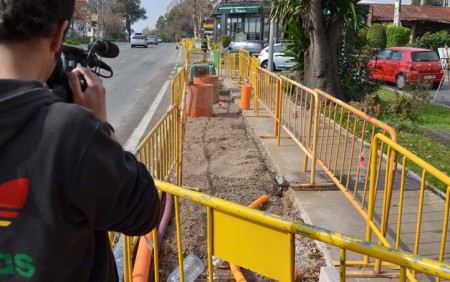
column 401, row 65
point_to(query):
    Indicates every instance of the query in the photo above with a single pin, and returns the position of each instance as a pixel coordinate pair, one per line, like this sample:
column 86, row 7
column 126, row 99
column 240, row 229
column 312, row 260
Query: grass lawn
column 432, row 149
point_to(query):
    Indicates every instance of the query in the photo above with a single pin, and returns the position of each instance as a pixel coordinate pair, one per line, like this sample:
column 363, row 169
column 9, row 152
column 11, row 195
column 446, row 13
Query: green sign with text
column 239, row 10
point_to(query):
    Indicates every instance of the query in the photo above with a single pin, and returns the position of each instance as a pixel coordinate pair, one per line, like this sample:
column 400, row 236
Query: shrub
column 376, row 36
column 433, row 41
column 406, row 108
column 226, row 40
column 397, row 36
column 77, row 40
column 352, row 65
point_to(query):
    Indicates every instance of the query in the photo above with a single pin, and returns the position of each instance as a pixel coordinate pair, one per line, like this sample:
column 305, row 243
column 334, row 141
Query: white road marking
column 122, row 61
column 139, row 131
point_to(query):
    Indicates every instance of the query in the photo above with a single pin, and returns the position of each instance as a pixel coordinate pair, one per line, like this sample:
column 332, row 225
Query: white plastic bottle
column 192, row 266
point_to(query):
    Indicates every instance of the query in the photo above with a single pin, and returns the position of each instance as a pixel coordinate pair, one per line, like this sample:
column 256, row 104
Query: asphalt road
column 140, row 87
column 441, row 96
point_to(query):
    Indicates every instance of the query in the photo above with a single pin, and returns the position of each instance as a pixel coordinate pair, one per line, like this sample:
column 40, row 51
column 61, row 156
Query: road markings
column 139, row 131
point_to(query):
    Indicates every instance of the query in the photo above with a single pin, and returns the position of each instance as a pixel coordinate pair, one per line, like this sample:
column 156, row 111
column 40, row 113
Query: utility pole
column 397, row 12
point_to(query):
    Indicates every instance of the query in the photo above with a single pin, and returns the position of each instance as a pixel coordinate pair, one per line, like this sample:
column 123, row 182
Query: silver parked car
column 138, row 40
column 279, row 60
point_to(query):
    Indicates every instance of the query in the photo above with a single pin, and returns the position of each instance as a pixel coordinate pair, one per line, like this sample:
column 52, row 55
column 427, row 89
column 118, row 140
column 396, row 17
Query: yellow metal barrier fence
column 244, row 66
column 340, row 137
column 161, row 153
column 216, row 46
column 253, row 67
column 418, row 217
column 229, row 243
column 178, row 87
column 344, row 141
column 230, row 65
column 299, row 119
column 268, row 94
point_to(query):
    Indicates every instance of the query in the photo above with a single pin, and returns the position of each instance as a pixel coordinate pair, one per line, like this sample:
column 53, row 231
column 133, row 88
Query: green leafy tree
column 130, row 11
column 161, row 23
column 296, row 44
column 322, row 22
column 179, row 18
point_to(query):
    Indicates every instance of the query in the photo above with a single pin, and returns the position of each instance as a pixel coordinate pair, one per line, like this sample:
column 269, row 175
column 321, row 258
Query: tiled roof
column 385, row 12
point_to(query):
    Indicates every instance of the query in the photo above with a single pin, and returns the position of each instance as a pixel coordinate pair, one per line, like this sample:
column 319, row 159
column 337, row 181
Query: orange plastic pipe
column 259, row 202
column 235, row 270
column 141, row 269
column 237, row 274
column 245, row 97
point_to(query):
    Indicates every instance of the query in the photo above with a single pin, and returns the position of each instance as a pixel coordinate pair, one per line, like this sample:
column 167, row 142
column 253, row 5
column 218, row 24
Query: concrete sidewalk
column 331, row 210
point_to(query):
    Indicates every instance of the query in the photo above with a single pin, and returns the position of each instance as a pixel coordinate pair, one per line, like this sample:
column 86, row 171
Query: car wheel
column 132, row 46
column 400, row 81
column 265, row 64
column 145, row 46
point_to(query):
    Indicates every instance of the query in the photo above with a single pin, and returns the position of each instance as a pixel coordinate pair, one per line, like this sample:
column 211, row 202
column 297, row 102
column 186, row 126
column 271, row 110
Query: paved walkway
column 332, row 210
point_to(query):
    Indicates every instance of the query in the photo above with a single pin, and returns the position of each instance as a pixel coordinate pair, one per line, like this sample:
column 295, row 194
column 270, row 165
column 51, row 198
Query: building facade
column 241, row 20
column 420, row 19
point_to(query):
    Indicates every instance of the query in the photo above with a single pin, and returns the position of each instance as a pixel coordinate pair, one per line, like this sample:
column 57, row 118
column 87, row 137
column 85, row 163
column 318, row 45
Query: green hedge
column 226, row 40
column 433, row 41
column 376, row 36
column 76, row 40
column 397, row 36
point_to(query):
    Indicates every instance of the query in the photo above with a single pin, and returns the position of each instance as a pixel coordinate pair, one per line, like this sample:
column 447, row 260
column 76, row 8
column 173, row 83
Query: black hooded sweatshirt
column 63, row 183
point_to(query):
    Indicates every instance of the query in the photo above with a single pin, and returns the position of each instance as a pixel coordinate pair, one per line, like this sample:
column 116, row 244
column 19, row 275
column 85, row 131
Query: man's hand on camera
column 93, row 97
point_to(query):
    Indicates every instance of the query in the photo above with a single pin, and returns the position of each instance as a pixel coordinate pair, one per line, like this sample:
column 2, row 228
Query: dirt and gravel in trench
column 223, row 159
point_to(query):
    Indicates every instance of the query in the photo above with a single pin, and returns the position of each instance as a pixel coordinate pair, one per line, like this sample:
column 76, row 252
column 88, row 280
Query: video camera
column 71, row 57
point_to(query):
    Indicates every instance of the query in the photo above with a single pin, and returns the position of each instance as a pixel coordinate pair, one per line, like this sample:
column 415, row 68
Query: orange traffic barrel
column 199, row 100
column 246, row 94
column 209, row 79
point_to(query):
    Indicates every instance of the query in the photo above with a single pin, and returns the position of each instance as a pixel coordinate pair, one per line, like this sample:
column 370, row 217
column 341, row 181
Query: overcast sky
column 156, row 8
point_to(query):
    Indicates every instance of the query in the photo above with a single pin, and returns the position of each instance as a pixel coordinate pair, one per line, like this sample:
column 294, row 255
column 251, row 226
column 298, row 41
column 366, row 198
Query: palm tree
column 322, row 22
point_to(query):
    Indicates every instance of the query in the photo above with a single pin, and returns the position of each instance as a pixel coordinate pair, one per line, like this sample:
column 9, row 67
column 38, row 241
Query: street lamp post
column 397, row 12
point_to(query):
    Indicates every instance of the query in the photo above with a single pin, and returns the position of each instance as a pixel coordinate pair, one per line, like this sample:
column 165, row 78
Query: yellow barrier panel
column 419, row 217
column 249, row 246
column 247, row 218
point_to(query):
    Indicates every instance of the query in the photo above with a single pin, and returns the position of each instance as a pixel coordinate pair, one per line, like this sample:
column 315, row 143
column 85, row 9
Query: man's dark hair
column 22, row 20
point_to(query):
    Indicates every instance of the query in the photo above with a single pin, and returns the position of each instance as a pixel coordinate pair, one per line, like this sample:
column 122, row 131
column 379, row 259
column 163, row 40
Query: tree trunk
column 321, row 67
column 195, row 20
column 128, row 25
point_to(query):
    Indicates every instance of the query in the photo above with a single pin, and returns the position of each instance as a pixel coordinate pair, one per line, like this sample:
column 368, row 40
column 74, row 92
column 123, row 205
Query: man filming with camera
column 64, row 180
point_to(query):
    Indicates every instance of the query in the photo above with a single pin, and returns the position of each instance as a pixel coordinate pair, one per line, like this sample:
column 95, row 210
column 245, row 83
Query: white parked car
column 279, row 60
column 138, row 40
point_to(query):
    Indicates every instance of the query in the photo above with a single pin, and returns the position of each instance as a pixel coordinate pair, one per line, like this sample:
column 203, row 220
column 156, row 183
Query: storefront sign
column 239, row 10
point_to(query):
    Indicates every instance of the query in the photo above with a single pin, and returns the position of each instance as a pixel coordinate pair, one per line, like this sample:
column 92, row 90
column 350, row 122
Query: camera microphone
column 105, row 48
